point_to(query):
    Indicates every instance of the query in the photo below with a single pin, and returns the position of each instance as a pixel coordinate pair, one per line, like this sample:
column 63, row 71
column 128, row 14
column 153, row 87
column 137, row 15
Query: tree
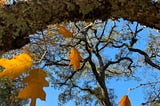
column 8, row 92
column 23, row 18
column 156, row 103
column 91, row 40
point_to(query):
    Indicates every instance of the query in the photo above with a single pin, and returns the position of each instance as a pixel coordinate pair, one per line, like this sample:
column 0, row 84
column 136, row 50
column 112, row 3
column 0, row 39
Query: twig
column 42, row 56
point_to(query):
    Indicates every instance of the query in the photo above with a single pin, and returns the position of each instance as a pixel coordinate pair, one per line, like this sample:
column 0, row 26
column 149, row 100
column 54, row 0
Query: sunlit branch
column 42, row 57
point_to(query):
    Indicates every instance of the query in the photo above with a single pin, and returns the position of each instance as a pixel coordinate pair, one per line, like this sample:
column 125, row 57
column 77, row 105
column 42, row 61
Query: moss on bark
column 24, row 18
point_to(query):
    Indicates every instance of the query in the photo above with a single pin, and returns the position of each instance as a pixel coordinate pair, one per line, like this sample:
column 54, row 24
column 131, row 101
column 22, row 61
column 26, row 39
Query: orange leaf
column 75, row 58
column 66, row 33
column 125, row 101
column 15, row 66
column 36, row 81
column 2, row 2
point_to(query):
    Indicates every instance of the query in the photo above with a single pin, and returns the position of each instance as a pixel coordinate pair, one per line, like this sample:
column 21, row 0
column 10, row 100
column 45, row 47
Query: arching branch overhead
column 24, row 18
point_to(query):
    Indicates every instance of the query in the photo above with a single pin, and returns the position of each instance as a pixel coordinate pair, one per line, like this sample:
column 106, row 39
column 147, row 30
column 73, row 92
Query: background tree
column 110, row 50
column 9, row 90
column 93, row 40
column 8, row 93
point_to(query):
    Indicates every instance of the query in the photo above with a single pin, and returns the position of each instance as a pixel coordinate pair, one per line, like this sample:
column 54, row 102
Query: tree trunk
column 105, row 101
column 20, row 20
column 105, row 95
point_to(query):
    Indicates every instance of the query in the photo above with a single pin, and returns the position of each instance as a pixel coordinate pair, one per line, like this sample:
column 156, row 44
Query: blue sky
column 120, row 89
column 120, row 85
column 51, row 98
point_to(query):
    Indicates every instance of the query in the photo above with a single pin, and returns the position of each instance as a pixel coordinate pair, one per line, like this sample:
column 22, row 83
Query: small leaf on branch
column 125, row 101
column 75, row 58
column 66, row 33
column 15, row 66
column 36, row 81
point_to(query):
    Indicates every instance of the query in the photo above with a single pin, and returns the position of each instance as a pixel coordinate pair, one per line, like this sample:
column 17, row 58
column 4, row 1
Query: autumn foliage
column 2, row 2
column 36, row 81
column 66, row 33
column 125, row 101
column 75, row 58
column 16, row 66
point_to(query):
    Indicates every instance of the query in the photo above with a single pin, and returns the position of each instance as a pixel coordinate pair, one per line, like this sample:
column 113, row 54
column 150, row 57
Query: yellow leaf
column 66, row 33
column 2, row 2
column 34, row 89
column 75, row 58
column 15, row 66
column 125, row 101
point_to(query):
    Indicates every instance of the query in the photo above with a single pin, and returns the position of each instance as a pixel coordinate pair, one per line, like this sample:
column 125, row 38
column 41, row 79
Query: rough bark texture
column 24, row 18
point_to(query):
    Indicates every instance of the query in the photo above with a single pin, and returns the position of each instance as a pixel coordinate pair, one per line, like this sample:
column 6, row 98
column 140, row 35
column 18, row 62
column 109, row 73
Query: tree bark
column 20, row 20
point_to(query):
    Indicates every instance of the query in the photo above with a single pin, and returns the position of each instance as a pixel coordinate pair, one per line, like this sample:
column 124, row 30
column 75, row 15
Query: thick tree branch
column 147, row 58
column 101, row 80
column 25, row 18
column 117, row 61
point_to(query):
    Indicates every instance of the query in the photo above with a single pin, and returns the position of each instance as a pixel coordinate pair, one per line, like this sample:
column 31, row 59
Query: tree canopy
column 23, row 18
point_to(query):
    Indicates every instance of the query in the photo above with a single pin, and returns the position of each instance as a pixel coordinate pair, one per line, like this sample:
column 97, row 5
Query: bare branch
column 147, row 58
column 117, row 61
column 73, row 73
